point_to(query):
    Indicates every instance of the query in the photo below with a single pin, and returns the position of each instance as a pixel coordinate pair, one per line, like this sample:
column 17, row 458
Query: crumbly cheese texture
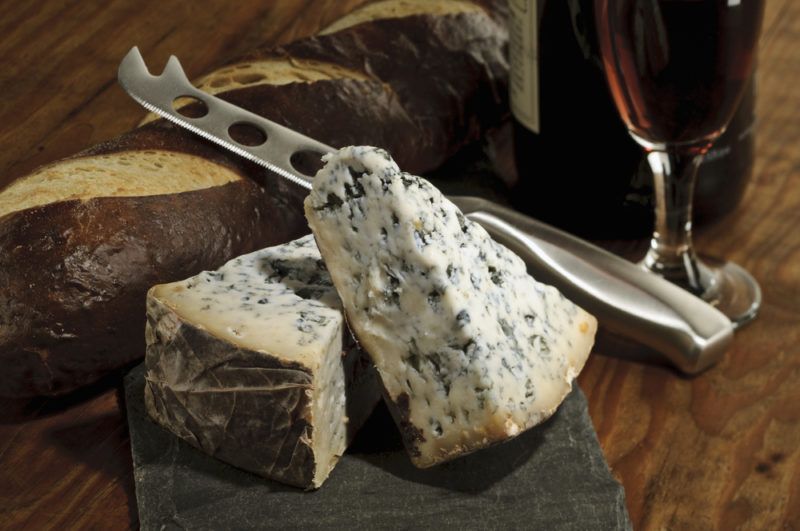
column 470, row 348
column 278, row 300
column 253, row 363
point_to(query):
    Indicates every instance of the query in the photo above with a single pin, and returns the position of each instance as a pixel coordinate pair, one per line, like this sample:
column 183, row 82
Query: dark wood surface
column 716, row 451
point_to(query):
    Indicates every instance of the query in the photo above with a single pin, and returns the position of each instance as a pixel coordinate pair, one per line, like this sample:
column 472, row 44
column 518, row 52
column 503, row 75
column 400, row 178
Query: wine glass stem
column 671, row 253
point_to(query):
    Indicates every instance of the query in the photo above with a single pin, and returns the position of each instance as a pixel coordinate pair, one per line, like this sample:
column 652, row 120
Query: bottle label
column 524, row 58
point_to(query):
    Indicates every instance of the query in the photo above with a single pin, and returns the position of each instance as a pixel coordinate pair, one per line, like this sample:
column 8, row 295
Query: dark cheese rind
column 234, row 404
column 253, row 364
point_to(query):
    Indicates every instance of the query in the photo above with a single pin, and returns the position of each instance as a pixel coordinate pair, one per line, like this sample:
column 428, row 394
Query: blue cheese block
column 253, row 364
column 471, row 350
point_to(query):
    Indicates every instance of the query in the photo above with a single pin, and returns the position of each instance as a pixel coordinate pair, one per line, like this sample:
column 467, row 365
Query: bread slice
column 470, row 349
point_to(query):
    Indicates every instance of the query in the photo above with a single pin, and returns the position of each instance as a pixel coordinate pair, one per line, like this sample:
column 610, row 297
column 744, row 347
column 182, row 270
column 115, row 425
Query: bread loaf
column 74, row 270
column 420, row 78
column 83, row 239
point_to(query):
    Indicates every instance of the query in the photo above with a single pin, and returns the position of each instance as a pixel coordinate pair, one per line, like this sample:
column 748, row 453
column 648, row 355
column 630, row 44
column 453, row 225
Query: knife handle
column 627, row 300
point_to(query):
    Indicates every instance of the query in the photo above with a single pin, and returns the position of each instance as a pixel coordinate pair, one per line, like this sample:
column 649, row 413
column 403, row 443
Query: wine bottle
column 726, row 169
column 577, row 166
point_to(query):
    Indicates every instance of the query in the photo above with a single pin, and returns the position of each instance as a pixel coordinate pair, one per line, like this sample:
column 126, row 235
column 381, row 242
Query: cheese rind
column 471, row 350
column 253, row 364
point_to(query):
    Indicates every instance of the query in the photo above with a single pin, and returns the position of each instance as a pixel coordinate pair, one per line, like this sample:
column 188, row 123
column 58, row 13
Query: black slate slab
column 552, row 477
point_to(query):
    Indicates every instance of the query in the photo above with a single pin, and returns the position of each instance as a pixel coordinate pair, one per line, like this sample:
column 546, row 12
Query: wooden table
column 716, row 451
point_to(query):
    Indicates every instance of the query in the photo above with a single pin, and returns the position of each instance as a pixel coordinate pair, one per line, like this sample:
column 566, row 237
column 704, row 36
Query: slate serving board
column 551, row 477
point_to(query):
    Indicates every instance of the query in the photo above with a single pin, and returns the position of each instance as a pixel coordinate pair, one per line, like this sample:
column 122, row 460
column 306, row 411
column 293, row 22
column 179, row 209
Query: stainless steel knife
column 678, row 327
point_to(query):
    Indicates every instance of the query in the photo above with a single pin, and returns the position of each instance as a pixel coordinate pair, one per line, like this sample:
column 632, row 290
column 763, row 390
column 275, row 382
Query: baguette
column 422, row 83
column 74, row 271
column 84, row 238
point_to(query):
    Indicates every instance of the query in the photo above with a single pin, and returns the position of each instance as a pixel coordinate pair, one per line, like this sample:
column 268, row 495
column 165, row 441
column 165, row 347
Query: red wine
column 581, row 170
column 677, row 68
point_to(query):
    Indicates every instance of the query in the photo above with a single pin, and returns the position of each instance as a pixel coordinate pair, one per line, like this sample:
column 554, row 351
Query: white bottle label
column 524, row 57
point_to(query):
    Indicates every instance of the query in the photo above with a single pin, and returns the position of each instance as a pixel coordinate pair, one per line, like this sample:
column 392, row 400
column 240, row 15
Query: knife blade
column 677, row 327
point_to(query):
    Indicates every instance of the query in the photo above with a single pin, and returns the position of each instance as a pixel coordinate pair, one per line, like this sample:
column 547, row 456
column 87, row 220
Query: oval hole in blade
column 247, row 134
column 190, row 107
column 307, row 162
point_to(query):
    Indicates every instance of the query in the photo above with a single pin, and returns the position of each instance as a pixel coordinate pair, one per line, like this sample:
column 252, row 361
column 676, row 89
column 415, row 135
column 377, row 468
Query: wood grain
column 718, row 451
column 60, row 60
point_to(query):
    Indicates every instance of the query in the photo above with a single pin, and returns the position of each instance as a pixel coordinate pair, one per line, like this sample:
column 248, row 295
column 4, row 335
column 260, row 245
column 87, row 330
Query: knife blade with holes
column 675, row 326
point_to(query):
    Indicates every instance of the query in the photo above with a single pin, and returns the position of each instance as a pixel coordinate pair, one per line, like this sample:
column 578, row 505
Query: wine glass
column 677, row 70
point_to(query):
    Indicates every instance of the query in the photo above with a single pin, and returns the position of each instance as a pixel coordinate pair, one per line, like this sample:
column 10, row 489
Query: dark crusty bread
column 82, row 240
column 421, row 86
column 73, row 274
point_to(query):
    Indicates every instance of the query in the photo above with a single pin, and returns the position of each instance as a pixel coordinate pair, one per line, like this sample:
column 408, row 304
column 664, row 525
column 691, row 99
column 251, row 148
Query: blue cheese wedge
column 253, row 364
column 471, row 350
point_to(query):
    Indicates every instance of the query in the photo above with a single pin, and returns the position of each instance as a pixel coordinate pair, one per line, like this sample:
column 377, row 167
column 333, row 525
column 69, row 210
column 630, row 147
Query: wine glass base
column 724, row 285
column 732, row 290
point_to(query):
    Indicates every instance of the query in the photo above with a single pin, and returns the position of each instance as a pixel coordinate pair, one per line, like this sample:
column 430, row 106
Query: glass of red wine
column 677, row 70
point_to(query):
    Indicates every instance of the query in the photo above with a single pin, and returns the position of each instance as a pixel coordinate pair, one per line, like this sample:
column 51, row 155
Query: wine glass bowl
column 677, row 70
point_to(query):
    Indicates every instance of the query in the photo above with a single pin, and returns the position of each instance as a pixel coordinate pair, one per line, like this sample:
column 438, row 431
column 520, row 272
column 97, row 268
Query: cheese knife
column 677, row 327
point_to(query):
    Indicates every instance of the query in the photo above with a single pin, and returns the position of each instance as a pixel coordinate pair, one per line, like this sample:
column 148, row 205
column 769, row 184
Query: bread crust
column 74, row 274
column 448, row 74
